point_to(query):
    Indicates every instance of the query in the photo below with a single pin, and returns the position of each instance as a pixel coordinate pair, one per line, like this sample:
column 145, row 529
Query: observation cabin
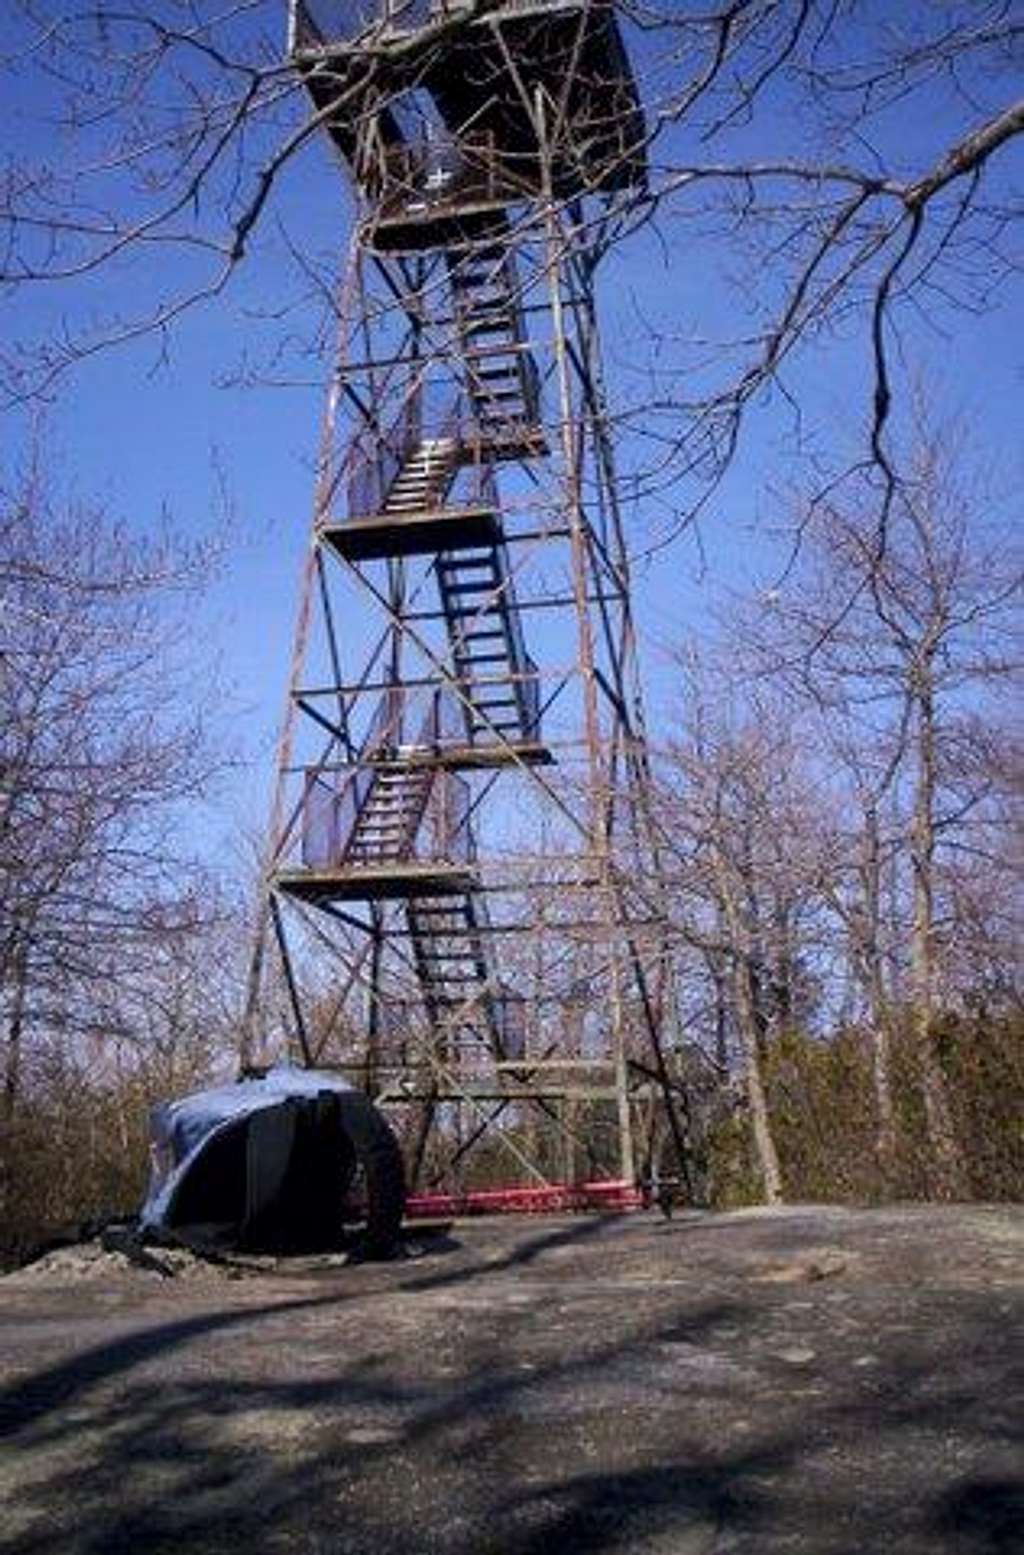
column 449, row 111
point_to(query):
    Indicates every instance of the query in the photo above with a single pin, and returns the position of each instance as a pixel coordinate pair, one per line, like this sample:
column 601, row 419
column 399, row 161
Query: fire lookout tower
column 459, row 833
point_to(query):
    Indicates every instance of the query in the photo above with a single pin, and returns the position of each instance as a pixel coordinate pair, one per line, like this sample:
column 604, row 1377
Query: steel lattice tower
column 460, row 888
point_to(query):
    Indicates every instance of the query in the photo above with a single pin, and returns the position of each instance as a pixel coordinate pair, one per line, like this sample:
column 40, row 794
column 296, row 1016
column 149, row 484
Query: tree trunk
column 948, row 1179
column 749, row 1034
column 870, row 957
column 760, row 1122
column 15, row 1032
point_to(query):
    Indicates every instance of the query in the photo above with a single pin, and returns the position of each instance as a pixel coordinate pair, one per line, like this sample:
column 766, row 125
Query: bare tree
column 906, row 654
column 734, row 825
column 776, row 134
column 103, row 740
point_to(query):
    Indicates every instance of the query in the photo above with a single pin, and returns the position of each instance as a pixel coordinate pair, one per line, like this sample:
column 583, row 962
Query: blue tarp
column 181, row 1131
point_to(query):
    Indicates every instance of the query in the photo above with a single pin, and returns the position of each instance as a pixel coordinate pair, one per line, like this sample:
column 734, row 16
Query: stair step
column 490, row 324
column 456, row 919
column 488, row 313
column 477, row 577
column 446, row 565
column 435, row 948
column 387, row 820
column 474, row 586
column 480, row 275
column 483, row 299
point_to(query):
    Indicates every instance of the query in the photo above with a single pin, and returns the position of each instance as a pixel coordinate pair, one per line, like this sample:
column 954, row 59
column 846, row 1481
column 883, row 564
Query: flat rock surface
column 809, row 1381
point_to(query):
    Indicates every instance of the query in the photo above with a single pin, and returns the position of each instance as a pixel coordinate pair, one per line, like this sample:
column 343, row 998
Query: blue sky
column 154, row 428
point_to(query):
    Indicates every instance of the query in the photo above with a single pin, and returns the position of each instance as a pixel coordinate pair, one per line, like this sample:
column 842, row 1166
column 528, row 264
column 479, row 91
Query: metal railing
column 335, row 799
column 445, row 835
column 523, row 672
column 375, row 458
column 438, row 171
column 527, row 678
column 314, row 23
column 333, row 804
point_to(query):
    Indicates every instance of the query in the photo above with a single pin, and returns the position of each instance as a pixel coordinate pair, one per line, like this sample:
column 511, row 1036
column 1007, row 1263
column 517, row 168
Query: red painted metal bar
column 616, row 1196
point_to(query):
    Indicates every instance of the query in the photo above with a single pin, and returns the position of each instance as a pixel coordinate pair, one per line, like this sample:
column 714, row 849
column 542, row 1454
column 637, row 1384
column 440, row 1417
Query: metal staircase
column 455, row 975
column 388, row 819
column 500, row 374
column 496, row 675
column 423, row 477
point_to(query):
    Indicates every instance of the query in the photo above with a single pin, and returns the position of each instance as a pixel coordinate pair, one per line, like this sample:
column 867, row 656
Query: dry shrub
column 824, row 1118
column 75, row 1153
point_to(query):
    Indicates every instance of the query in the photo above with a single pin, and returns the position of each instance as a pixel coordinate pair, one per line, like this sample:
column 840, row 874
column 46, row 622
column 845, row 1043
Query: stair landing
column 419, row 534
column 456, row 755
column 391, row 879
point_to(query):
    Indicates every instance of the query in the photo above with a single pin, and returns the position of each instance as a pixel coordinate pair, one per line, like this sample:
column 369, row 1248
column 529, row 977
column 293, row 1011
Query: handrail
column 333, row 803
column 508, row 1018
column 385, row 727
column 448, row 814
column 435, row 169
column 375, row 459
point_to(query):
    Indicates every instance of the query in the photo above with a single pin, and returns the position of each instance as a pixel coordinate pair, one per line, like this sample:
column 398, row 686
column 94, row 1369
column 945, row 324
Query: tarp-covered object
column 268, row 1165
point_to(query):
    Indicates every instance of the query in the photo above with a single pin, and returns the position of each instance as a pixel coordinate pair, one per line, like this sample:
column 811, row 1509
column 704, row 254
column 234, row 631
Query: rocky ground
column 809, row 1381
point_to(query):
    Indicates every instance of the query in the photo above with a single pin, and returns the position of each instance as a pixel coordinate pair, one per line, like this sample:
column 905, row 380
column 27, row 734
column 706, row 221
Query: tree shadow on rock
column 983, row 1517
